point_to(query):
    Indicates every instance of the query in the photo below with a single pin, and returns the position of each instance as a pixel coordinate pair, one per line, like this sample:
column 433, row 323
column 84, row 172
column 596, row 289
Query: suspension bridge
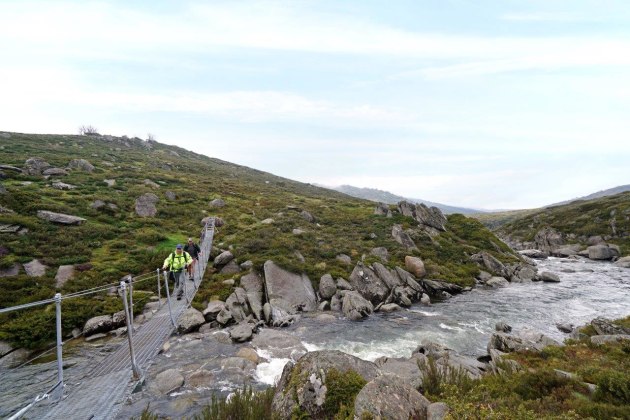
column 100, row 393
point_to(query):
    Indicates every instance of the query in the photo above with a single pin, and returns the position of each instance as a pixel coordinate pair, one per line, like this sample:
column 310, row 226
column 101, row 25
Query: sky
column 495, row 104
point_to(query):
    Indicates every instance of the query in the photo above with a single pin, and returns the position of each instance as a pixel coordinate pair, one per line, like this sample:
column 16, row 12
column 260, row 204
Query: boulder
column 623, row 262
column 386, row 397
column 327, row 287
column 549, row 277
column 298, row 231
column 230, row 268
column 603, row 326
column 5, row 348
column 110, row 182
column 217, row 203
column 448, row 359
column 566, row 251
column 438, row 288
column 64, row 219
column 81, row 164
column 502, row 327
column 343, row 258
column 437, row 411
column 190, row 321
column 533, row 253
column 343, row 284
column 62, row 186
column 415, row 266
column 565, row 327
column 548, row 239
column 335, row 303
column 248, row 354
column 409, row 280
column 364, row 280
column 614, row 338
column 403, row 237
column 389, row 278
column 201, row 378
column 35, row 268
column 355, row 307
column 600, row 252
column 521, row 273
column 242, row 332
column 54, row 172
column 380, row 252
column 407, row 370
column 247, row 265
column 35, row 166
column 119, row 319
column 288, row 292
column 303, row 386
column 145, row 205
column 11, row 271
column 150, row 183
column 212, row 310
column 15, row 358
column 97, row 324
column 64, row 273
column 426, row 216
column 224, row 317
column 236, row 305
column 489, row 262
column 382, row 209
column 524, row 341
column 389, row 307
column 253, row 285
column 223, row 258
column 168, row 381
column 268, row 221
column 307, row 216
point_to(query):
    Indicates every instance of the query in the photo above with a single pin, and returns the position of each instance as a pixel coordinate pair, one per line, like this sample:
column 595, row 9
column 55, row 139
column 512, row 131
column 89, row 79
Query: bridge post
column 159, row 287
column 168, row 299
column 131, row 299
column 137, row 374
column 59, row 345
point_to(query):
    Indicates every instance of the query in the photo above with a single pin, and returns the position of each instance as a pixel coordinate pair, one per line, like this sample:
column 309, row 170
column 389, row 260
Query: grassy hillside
column 579, row 220
column 497, row 219
column 116, row 242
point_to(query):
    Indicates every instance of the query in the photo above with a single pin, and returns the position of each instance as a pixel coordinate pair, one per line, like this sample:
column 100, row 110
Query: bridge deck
column 100, row 393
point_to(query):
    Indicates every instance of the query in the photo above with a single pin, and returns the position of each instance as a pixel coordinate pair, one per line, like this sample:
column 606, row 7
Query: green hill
column 114, row 241
column 608, row 217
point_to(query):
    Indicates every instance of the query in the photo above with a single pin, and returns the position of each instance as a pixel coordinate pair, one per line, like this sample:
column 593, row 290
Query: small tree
column 150, row 137
column 88, row 130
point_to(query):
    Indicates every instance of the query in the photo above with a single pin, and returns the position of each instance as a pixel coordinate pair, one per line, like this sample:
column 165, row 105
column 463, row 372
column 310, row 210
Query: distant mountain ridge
column 599, row 194
column 381, row 196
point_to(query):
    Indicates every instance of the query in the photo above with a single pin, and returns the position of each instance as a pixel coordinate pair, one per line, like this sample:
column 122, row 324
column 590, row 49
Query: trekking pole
column 168, row 298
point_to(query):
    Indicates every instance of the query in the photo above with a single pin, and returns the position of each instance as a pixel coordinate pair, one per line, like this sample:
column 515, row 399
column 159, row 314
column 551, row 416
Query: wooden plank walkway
column 102, row 392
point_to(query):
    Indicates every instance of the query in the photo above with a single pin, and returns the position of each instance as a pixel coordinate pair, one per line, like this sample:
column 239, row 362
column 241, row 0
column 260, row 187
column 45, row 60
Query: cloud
column 549, row 17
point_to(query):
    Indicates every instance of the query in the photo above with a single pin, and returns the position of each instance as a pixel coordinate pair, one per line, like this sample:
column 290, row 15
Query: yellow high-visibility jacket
column 175, row 262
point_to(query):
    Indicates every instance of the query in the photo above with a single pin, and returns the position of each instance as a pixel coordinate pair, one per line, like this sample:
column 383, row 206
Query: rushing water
column 464, row 323
column 587, row 290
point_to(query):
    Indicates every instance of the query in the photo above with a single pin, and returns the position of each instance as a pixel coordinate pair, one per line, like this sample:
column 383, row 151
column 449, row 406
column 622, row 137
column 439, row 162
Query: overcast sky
column 487, row 104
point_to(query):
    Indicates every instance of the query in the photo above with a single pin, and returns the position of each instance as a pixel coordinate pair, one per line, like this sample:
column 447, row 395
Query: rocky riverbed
column 208, row 363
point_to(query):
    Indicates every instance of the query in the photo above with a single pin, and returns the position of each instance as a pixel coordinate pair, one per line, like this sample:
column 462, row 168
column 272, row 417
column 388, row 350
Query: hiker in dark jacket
column 194, row 251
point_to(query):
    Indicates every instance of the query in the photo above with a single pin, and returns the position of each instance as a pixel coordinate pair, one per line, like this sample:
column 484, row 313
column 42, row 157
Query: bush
column 242, row 404
column 88, row 130
column 614, row 387
column 437, row 378
column 342, row 389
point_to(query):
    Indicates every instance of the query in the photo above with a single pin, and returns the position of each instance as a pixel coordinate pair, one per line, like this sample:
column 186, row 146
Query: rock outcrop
column 288, row 293
column 431, row 217
column 81, row 164
column 368, row 284
column 35, row 166
column 303, row 385
column 64, row 219
column 386, row 397
column 145, row 205
column 548, row 239
column 355, row 307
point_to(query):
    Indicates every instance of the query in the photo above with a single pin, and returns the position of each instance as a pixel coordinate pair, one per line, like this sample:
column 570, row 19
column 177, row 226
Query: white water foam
column 269, row 372
column 425, row 313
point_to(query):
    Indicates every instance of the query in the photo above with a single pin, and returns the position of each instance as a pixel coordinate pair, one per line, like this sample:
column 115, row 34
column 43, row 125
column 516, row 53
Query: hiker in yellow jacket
column 176, row 263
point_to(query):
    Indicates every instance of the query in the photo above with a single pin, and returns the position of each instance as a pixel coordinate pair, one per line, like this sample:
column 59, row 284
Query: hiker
column 176, row 262
column 194, row 251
